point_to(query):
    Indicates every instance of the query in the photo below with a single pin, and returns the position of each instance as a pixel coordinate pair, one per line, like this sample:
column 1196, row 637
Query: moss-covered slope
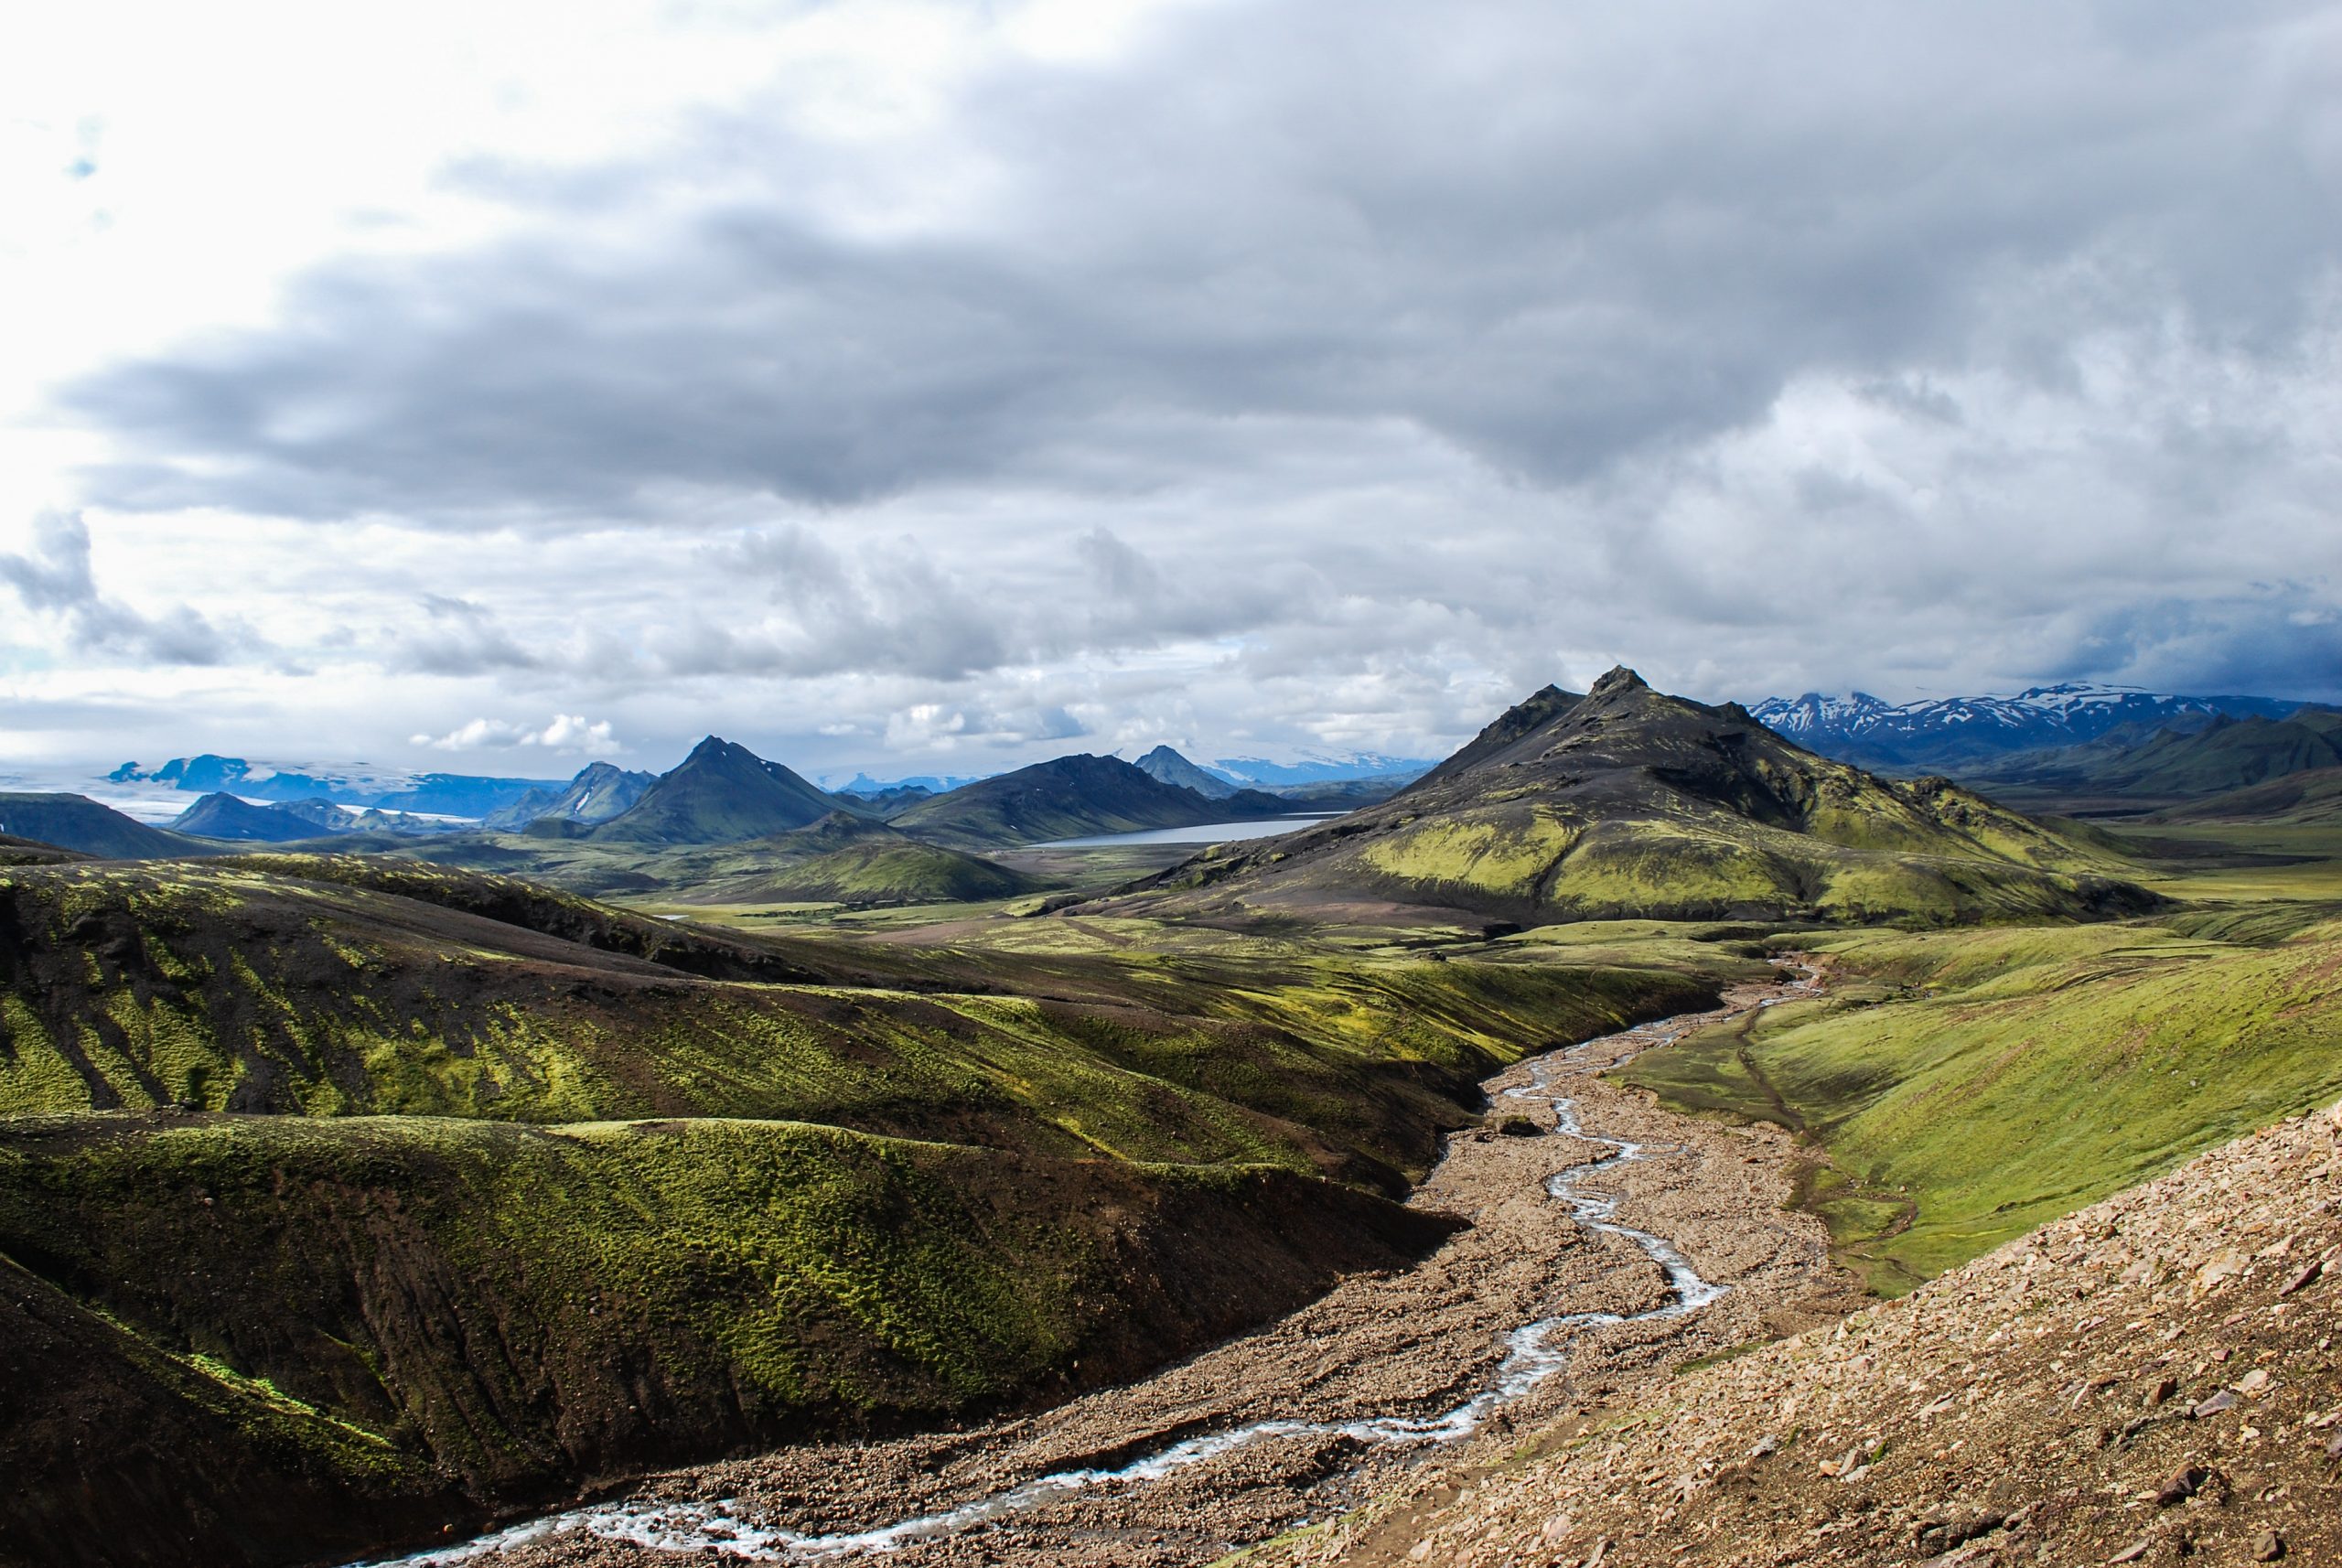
column 1627, row 803
column 406, row 1319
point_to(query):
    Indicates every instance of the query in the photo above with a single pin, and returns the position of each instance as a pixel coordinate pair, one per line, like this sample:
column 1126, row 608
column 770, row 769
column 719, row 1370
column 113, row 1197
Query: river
column 1549, row 1288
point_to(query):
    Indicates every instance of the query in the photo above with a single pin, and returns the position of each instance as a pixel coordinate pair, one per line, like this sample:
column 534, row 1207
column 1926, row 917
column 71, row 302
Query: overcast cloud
column 939, row 386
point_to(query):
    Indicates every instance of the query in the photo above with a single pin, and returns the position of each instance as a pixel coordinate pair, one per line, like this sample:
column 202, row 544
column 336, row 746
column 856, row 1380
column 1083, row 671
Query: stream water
column 1534, row 1352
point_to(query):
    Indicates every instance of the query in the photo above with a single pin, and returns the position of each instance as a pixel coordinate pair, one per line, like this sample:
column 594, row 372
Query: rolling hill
column 1625, row 801
column 847, row 859
column 721, row 793
column 2308, row 799
column 1072, row 797
column 78, row 822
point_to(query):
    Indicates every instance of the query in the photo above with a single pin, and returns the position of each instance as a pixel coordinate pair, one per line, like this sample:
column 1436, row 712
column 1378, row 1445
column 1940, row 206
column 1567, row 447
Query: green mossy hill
column 388, row 1311
column 869, row 874
column 1628, row 803
column 845, row 858
column 523, row 1210
column 1072, row 797
column 228, row 988
column 2312, row 798
column 1968, row 1086
column 721, row 793
column 79, row 824
column 2227, row 754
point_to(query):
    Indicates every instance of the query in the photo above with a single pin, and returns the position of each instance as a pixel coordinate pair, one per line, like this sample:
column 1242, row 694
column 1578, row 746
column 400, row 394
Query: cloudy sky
column 936, row 386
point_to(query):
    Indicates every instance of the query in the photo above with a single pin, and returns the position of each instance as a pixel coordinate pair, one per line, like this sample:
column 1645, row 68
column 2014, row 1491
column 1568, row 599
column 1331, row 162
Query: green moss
column 1996, row 1078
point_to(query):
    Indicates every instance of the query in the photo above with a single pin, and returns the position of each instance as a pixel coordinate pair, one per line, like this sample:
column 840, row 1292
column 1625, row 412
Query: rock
column 2301, row 1279
column 2135, row 1551
column 2225, row 1400
column 2162, row 1391
column 2181, row 1484
column 2253, row 1382
column 1939, row 1535
column 2268, row 1546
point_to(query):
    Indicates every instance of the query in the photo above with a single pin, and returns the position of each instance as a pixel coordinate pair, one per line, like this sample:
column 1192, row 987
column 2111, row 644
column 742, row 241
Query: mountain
column 2221, row 755
column 721, row 793
column 864, row 786
column 437, row 794
column 1072, row 797
column 78, row 822
column 1628, row 802
column 224, row 816
column 845, row 858
column 894, row 800
column 1261, row 773
column 1945, row 732
column 2308, row 799
column 600, row 791
column 1167, row 766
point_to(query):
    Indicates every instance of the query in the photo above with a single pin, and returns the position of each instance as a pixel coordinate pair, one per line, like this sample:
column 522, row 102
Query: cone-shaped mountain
column 721, row 793
column 1628, row 802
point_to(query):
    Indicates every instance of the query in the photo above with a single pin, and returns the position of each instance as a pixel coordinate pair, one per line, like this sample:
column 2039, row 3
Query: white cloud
column 569, row 734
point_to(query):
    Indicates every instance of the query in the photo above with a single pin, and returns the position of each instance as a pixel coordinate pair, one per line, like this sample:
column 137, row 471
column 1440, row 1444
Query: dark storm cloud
column 1557, row 237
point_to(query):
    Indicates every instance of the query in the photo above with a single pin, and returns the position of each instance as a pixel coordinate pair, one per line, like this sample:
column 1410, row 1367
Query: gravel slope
column 2152, row 1378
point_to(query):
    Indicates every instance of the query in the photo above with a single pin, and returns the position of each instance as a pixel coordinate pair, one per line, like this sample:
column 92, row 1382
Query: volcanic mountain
column 1628, row 802
column 721, row 793
column 1072, row 797
column 1168, row 766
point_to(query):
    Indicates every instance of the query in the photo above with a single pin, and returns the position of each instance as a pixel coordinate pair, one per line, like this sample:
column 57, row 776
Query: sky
column 935, row 387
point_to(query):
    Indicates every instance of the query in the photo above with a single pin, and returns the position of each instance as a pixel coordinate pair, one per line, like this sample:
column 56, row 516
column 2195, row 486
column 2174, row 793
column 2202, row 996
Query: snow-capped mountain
column 1947, row 731
column 1260, row 771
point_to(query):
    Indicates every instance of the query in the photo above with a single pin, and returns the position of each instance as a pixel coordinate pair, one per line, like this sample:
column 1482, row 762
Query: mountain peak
column 1616, row 679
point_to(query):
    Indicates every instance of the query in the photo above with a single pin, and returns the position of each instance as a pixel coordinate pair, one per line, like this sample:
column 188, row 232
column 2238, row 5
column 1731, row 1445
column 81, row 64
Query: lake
column 1203, row 832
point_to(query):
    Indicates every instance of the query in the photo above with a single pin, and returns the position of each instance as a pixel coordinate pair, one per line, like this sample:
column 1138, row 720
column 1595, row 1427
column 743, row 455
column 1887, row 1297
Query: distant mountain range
column 600, row 791
column 221, row 815
column 2223, row 754
column 1261, row 773
column 1946, row 732
column 438, row 794
column 1073, row 796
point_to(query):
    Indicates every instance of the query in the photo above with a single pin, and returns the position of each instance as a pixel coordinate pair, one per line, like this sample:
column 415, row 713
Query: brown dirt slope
column 2152, row 1378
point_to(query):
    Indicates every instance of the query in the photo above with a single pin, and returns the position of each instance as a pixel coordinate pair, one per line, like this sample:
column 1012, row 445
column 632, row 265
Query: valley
column 753, row 1147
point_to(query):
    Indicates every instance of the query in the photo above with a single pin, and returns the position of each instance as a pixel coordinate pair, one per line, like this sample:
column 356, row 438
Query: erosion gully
column 1549, row 1304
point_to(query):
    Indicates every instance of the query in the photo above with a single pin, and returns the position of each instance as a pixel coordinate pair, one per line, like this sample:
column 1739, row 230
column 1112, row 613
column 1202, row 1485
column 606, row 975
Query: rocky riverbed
column 1617, row 1242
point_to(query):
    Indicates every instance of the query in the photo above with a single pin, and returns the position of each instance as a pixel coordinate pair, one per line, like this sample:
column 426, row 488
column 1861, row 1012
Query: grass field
column 1967, row 1085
